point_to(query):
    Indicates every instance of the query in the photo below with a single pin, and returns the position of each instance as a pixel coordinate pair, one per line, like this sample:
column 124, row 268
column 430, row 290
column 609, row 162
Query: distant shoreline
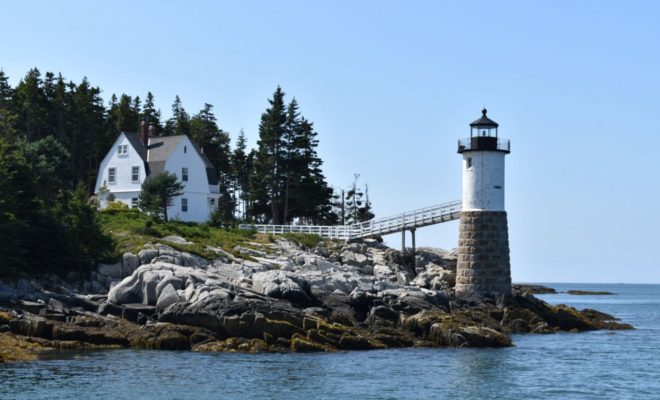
column 542, row 289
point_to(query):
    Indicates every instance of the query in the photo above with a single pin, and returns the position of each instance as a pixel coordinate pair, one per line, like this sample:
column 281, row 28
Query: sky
column 392, row 85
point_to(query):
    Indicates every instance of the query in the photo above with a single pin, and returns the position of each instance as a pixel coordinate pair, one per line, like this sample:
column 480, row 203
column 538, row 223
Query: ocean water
column 592, row 365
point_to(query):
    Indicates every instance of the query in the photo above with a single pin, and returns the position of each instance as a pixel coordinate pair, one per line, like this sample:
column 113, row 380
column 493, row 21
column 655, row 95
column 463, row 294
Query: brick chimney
column 144, row 134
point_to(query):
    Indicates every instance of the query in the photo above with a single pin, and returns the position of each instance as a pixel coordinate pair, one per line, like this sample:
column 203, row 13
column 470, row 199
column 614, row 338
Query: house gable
column 123, row 163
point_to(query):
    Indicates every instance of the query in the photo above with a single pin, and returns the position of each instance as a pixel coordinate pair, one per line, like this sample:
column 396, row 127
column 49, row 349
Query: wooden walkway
column 408, row 221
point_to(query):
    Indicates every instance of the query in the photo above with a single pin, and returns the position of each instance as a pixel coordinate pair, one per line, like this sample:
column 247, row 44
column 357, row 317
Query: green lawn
column 131, row 230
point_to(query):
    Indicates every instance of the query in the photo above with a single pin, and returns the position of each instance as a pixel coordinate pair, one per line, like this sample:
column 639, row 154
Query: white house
column 133, row 157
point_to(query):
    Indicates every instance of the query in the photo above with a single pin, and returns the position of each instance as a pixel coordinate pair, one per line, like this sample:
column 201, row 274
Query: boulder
column 176, row 239
column 112, row 270
column 146, row 255
column 469, row 336
column 167, row 296
column 282, row 284
column 130, row 263
column 250, row 252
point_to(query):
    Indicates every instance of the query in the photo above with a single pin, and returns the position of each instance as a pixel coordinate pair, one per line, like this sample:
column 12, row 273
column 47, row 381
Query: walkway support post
column 403, row 241
column 412, row 232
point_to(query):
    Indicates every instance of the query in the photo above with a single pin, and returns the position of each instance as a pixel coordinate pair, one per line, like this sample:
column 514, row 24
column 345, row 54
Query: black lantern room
column 483, row 137
column 484, row 126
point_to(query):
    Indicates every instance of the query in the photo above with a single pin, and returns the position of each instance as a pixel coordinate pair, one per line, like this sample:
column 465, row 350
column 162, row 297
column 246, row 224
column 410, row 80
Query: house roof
column 137, row 144
column 161, row 148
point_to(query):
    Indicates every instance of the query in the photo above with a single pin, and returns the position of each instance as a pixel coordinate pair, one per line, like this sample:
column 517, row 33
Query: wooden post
column 412, row 232
column 403, row 241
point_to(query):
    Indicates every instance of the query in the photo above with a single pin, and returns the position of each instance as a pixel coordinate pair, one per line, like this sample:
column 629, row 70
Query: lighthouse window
column 468, row 163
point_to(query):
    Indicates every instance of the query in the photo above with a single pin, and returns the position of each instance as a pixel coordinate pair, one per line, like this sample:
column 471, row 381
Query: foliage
column 215, row 145
column 306, row 240
column 132, row 229
column 116, row 206
column 158, row 193
column 88, row 243
column 358, row 205
column 40, row 230
column 287, row 181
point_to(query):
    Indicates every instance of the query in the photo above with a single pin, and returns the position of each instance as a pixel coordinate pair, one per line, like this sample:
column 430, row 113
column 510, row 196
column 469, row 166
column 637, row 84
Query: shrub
column 304, row 239
column 116, row 206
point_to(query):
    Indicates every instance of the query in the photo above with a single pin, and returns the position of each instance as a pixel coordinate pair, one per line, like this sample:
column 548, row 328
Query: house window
column 184, row 174
column 468, row 163
column 122, row 150
column 135, row 174
column 184, row 205
column 185, row 149
column 112, row 175
column 134, row 202
column 111, row 197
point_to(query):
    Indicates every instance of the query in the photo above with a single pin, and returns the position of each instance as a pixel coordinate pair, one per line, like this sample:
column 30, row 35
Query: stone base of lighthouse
column 483, row 254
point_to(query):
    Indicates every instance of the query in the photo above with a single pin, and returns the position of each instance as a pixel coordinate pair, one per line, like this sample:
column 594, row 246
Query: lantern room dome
column 484, row 121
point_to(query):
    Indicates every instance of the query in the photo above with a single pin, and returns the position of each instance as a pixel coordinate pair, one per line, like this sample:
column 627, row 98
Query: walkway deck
column 410, row 220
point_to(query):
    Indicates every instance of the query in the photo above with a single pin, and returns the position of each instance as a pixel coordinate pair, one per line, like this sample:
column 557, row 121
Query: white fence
column 382, row 226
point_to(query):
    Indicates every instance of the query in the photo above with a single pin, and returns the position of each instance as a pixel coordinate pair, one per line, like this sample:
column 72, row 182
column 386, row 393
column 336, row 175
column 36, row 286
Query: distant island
column 540, row 289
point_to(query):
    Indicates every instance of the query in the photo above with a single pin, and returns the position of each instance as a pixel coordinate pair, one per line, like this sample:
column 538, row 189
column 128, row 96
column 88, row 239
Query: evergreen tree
column 29, row 103
column 7, row 114
column 18, row 200
column 60, row 112
column 158, row 193
column 266, row 178
column 50, row 168
column 291, row 167
column 312, row 191
column 358, row 205
column 151, row 115
column 127, row 114
column 241, row 168
column 6, row 91
column 87, row 143
column 215, row 144
column 179, row 124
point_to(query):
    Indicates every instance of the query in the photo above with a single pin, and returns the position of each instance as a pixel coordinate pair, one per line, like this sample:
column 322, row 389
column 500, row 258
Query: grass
column 131, row 230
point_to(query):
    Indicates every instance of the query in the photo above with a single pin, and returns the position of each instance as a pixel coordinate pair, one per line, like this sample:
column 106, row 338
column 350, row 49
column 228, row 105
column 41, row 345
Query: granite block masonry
column 484, row 267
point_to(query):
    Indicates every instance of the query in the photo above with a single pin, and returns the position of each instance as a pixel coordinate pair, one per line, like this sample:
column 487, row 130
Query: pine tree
column 215, row 143
column 358, row 205
column 151, row 115
column 30, row 105
column 7, row 114
column 266, row 178
column 6, row 91
column 127, row 114
column 88, row 143
column 291, row 168
column 179, row 124
column 241, row 174
column 158, row 193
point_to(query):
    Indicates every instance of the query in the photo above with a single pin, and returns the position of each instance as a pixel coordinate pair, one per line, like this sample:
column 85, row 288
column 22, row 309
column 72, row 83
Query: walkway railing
column 376, row 227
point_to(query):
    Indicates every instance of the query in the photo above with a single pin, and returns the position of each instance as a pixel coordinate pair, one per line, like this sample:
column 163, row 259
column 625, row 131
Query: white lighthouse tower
column 483, row 249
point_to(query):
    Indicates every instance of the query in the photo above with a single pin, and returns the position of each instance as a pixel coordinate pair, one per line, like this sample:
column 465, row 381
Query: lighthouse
column 483, row 247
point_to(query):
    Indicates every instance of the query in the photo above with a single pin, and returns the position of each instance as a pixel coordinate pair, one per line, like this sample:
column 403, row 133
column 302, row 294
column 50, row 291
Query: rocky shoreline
column 279, row 297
